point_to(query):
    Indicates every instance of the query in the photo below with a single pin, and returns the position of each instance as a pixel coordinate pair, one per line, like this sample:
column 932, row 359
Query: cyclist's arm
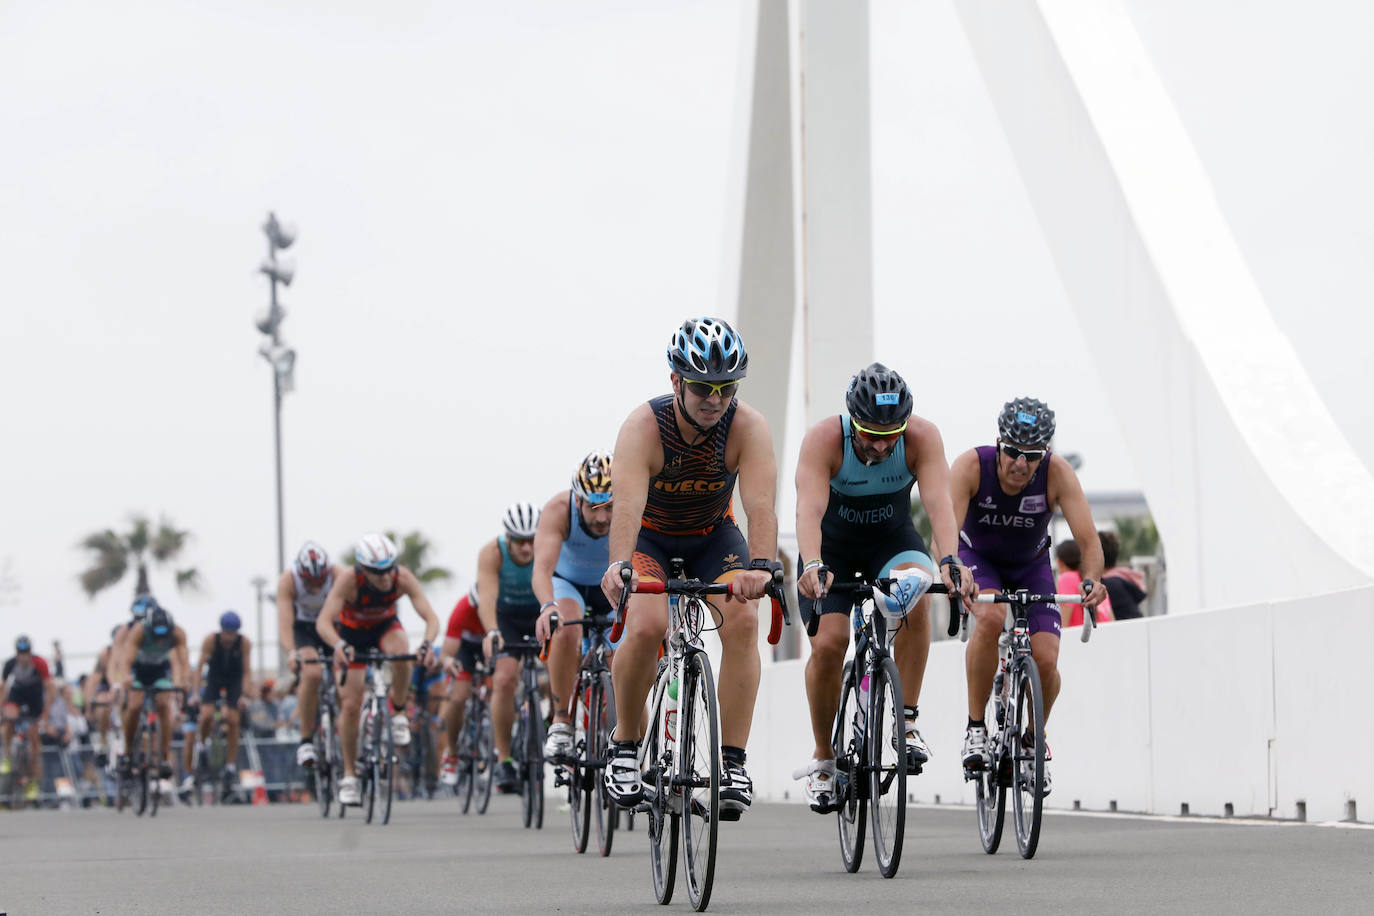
column 286, row 612
column 128, row 649
column 758, row 481
column 247, row 650
column 207, row 648
column 489, row 583
column 180, row 656
column 548, row 543
column 820, row 458
column 345, row 588
column 410, row 586
column 1067, row 492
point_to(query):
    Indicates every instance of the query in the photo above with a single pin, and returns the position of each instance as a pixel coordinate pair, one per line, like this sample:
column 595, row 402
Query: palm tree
column 1139, row 537
column 414, row 549
column 113, row 552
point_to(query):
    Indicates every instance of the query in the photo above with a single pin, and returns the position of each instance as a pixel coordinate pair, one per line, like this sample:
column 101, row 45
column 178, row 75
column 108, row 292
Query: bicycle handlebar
column 696, row 588
column 1025, row 599
column 589, row 620
column 883, row 584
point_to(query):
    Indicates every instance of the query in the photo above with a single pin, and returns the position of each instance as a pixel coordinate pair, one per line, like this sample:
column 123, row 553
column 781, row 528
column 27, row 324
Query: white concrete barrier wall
column 1258, row 707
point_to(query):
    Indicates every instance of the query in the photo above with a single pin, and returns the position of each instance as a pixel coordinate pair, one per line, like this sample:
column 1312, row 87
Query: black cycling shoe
column 505, row 777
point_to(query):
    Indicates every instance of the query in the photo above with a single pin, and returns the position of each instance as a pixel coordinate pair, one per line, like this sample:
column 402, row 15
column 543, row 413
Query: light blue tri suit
column 582, row 561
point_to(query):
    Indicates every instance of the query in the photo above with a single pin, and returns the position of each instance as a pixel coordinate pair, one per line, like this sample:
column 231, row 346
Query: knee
column 503, row 681
column 741, row 628
column 827, row 653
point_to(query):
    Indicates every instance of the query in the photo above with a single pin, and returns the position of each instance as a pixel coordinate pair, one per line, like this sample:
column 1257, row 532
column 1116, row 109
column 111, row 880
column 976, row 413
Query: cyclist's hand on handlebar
column 450, row 666
column 425, row 655
column 543, row 627
column 966, row 587
column 810, row 584
column 293, row 661
column 1094, row 593
column 342, row 656
column 612, row 585
column 750, row 584
column 491, row 643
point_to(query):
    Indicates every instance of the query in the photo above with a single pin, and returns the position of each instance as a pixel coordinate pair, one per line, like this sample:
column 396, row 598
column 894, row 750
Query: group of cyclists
column 666, row 491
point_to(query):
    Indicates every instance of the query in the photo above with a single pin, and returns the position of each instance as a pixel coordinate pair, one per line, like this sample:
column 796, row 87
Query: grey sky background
column 504, row 212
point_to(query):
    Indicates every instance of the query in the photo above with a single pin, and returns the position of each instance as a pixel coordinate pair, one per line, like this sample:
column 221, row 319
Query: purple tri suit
column 1005, row 540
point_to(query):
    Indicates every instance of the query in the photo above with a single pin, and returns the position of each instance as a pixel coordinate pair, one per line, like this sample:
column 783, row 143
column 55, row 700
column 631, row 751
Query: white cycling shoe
column 400, row 731
column 820, row 785
column 305, row 754
column 559, row 745
column 349, row 791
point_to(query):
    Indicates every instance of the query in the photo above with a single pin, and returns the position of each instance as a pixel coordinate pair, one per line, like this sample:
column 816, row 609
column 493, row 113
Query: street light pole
column 280, row 357
column 259, row 583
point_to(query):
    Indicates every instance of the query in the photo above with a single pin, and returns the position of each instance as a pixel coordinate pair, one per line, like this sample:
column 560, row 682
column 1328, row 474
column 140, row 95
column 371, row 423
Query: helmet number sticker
column 886, row 397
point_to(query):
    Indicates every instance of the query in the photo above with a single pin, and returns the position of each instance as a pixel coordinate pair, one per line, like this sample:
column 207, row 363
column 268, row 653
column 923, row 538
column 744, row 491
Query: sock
column 732, row 754
column 912, row 712
column 976, row 723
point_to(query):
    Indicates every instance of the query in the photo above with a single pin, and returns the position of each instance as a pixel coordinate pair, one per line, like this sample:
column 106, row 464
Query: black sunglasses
column 1030, row 454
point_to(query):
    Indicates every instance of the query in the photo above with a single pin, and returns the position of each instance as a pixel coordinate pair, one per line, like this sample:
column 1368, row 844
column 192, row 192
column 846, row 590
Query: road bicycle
column 680, row 757
column 145, row 755
column 23, row 768
column 869, row 734
column 476, row 747
column 377, row 762
column 212, row 755
column 593, row 719
column 329, row 768
column 527, row 741
column 1018, row 709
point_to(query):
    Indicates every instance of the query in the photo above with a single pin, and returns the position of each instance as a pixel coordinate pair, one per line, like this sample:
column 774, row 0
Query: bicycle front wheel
column 384, row 765
column 485, row 761
column 599, row 734
column 663, row 819
column 579, row 775
column 851, row 788
column 700, row 776
column 324, row 772
column 367, row 753
column 1028, row 763
column 887, row 767
column 534, row 763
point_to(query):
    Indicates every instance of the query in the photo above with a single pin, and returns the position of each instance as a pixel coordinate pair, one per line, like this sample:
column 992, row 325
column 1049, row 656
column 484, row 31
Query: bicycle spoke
column 887, row 759
column 1028, row 766
column 700, row 776
column 850, row 788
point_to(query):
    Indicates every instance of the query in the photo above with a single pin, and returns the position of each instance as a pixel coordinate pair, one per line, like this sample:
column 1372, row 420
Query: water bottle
column 670, row 714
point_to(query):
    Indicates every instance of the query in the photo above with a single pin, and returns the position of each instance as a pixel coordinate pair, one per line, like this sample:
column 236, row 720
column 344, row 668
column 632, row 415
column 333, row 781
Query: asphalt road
column 779, row 859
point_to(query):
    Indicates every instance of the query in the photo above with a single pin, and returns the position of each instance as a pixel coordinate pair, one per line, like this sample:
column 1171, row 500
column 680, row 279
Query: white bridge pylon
column 1256, row 492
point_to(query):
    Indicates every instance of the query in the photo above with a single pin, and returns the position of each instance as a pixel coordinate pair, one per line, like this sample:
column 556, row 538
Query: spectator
column 1125, row 586
column 1069, row 557
column 58, row 732
column 264, row 714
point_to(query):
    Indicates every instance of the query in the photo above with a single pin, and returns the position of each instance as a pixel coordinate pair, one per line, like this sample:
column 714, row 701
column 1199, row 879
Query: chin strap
column 702, row 432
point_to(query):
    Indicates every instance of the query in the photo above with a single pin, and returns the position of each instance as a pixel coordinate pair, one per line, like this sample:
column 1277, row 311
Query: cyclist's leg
column 564, row 654
column 165, row 701
column 132, row 705
column 719, row 557
column 309, row 691
column 1045, row 623
column 823, row 671
column 505, row 675
column 394, row 642
column 636, row 660
column 233, row 720
column 980, row 658
column 350, row 712
column 911, row 648
column 454, row 707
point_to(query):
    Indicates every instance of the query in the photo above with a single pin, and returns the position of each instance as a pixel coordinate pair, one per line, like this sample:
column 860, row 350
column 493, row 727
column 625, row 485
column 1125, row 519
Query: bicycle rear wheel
column 700, row 776
column 584, row 724
column 600, row 736
column 991, row 797
column 467, row 750
column 1028, row 764
column 851, row 788
column 533, row 753
column 887, row 773
column 663, row 820
column 367, row 752
column 142, row 761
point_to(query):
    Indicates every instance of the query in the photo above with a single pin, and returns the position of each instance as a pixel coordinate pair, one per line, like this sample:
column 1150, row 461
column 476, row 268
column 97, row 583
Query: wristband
column 762, row 564
column 810, row 565
column 547, row 604
column 339, row 646
column 617, row 564
column 949, row 560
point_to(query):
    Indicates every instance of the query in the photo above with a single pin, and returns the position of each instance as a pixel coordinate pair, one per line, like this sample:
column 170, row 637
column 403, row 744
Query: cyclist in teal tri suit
column 154, row 657
column 505, row 567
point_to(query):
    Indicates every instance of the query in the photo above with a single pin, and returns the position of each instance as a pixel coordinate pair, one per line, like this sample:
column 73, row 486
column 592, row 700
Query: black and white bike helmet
column 520, row 520
column 376, row 553
column 1026, row 421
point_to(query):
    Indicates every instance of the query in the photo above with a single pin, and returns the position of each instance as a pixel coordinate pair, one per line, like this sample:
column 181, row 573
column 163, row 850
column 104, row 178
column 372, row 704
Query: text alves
column 689, row 486
column 1006, row 521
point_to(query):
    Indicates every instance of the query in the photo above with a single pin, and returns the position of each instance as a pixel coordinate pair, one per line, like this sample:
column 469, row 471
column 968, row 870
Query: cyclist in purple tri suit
column 1004, row 497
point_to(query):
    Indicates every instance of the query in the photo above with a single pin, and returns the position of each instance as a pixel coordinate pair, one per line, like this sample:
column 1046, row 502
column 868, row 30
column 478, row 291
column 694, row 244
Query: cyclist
column 462, row 643
column 26, row 691
column 854, row 480
column 504, row 569
column 360, row 614
column 570, row 554
column 226, row 659
column 1004, row 497
column 301, row 592
column 154, row 656
column 677, row 459
column 102, row 684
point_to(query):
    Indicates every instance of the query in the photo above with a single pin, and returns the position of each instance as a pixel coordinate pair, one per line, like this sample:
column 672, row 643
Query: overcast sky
column 504, row 212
